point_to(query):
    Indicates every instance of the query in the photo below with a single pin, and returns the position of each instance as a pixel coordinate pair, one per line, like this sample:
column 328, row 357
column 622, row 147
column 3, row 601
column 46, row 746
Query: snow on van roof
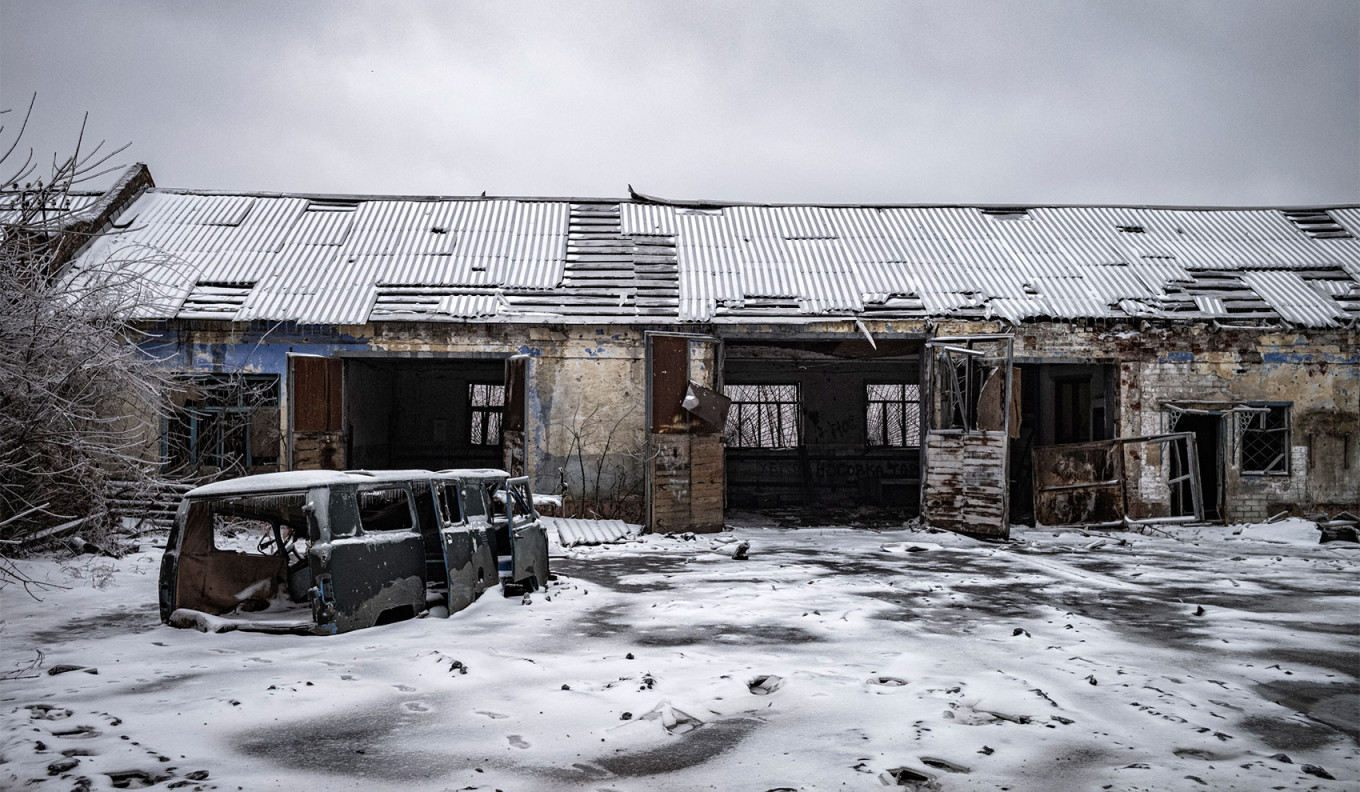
column 301, row 479
column 472, row 473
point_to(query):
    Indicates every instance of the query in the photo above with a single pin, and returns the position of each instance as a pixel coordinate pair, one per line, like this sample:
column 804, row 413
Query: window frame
column 1285, row 432
column 739, row 408
column 482, row 414
column 908, row 441
column 222, row 420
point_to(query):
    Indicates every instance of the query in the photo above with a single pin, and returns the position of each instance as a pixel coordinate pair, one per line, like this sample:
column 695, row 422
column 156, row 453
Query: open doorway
column 421, row 413
column 823, row 425
column 1207, row 428
column 1060, row 403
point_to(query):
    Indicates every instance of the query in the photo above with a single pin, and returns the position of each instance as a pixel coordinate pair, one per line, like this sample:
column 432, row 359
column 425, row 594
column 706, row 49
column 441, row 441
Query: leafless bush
column 78, row 397
column 604, row 487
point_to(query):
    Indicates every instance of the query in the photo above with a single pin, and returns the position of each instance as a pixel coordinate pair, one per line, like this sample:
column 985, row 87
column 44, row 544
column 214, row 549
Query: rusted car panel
column 328, row 552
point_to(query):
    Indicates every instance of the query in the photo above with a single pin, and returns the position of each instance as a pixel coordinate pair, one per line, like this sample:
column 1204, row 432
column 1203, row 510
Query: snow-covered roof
column 347, row 260
column 292, row 480
column 472, row 473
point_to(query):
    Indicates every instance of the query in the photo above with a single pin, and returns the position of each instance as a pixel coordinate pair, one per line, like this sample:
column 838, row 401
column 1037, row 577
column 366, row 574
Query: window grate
column 1264, row 440
column 486, row 405
column 762, row 416
column 893, row 414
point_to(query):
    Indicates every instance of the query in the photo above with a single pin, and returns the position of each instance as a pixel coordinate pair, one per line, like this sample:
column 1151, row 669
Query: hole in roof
column 1318, row 224
column 438, row 230
column 331, row 205
column 1005, row 213
column 1132, row 229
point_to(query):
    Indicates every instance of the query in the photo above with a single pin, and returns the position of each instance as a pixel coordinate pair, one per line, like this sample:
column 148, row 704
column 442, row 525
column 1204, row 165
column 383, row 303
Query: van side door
column 528, row 538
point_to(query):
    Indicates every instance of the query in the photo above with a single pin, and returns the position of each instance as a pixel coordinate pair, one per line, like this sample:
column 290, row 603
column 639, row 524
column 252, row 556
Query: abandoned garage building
column 664, row 361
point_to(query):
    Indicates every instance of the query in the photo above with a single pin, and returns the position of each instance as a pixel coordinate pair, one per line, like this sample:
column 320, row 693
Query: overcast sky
column 1175, row 102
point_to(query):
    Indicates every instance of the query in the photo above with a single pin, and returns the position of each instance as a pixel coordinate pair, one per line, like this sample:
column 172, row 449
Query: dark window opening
column 762, row 416
column 384, row 510
column 226, row 423
column 893, row 414
column 450, row 512
column 1264, row 440
column 1072, row 411
column 486, row 404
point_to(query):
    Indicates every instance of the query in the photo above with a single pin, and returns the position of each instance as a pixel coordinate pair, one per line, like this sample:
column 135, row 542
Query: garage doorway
column 422, row 413
column 823, row 425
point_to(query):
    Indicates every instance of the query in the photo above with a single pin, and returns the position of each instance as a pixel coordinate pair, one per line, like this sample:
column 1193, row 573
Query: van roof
column 301, row 479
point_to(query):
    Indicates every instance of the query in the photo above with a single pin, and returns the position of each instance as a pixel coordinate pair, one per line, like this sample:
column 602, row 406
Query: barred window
column 893, row 414
column 1264, row 439
column 486, row 404
column 226, row 421
column 762, row 416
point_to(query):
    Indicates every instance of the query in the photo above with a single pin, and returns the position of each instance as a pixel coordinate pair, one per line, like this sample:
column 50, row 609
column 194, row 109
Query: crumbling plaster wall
column 583, row 381
column 1317, row 371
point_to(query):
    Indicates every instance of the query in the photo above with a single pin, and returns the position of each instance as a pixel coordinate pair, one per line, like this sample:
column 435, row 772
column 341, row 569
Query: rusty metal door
column 965, row 467
column 513, row 431
column 686, row 412
column 1086, row 484
column 316, row 437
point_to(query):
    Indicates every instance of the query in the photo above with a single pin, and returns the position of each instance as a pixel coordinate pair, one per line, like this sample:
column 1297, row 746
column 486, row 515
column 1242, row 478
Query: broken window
column 449, row 509
column 1263, row 439
column 972, row 384
column 893, row 414
column 762, row 416
column 384, row 509
column 247, row 525
column 486, row 404
column 229, row 422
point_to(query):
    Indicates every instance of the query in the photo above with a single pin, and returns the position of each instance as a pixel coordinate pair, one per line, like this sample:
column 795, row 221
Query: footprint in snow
column 517, row 741
column 491, row 715
column 415, row 706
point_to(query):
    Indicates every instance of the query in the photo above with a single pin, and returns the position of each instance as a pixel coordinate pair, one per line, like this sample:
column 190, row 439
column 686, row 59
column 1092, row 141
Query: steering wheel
column 269, row 539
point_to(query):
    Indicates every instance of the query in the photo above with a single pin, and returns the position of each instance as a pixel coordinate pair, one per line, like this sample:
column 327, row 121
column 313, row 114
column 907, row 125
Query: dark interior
column 832, row 464
column 413, row 413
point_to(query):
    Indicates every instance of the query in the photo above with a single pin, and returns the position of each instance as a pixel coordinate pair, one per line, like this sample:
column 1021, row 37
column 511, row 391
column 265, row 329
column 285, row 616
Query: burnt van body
column 327, row 552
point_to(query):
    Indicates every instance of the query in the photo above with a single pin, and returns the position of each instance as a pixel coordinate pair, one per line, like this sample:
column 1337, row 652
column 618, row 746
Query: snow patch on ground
column 830, row 658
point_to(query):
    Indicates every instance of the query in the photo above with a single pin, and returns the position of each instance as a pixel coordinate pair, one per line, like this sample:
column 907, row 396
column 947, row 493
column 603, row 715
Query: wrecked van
column 327, row 552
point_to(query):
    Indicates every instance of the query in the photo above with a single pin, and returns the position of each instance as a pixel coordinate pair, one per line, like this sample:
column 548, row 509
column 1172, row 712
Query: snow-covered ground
column 828, row 660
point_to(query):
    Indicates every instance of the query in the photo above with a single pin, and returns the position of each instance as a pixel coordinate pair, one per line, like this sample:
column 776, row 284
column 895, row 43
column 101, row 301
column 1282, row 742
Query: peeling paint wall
column 585, row 395
column 1317, row 372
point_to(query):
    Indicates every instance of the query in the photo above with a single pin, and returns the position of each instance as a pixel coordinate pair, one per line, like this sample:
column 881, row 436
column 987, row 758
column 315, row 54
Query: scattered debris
column 1314, row 770
column 765, row 684
column 909, row 778
column 62, row 669
column 739, row 554
column 673, row 720
column 573, row 532
column 944, row 764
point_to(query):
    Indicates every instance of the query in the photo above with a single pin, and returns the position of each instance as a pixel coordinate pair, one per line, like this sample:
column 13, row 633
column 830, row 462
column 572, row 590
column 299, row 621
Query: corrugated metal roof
column 58, row 205
column 331, row 260
column 572, row 531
